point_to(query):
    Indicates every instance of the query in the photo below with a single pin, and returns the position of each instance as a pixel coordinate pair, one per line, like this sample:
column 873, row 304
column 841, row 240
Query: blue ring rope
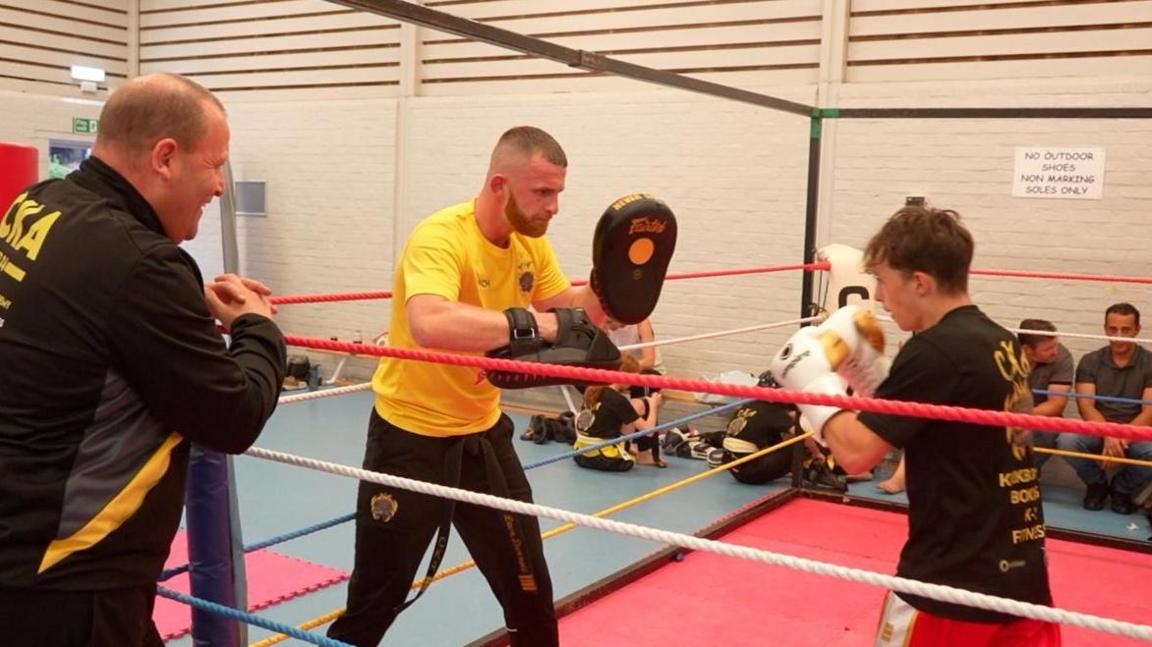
column 643, row 432
column 1085, row 396
column 168, row 574
column 315, row 639
column 264, row 623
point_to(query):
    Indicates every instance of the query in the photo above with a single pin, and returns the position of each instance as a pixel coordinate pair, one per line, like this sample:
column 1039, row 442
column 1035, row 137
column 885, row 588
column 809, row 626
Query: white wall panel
column 896, row 40
column 686, row 37
column 42, row 39
column 282, row 47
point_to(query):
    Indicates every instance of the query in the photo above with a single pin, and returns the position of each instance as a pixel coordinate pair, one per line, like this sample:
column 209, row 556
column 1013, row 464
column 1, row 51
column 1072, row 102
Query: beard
column 520, row 222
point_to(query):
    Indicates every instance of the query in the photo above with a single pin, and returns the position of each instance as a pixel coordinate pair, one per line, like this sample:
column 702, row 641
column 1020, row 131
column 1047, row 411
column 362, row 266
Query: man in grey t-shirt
column 1052, row 373
column 1121, row 370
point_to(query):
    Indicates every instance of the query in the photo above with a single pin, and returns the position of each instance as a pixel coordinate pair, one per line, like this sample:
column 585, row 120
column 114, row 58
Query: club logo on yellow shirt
column 527, row 280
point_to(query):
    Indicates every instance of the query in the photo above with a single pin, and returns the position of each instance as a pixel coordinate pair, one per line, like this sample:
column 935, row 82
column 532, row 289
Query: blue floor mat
column 276, row 499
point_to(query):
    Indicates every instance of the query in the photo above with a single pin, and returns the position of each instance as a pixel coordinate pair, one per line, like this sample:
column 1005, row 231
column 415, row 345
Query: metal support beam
column 578, row 58
column 987, row 113
column 811, row 211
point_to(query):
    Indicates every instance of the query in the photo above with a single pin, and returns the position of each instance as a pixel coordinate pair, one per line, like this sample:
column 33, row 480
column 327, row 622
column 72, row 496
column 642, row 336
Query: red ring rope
column 352, row 296
column 808, row 267
column 1064, row 275
column 324, row 298
column 910, row 409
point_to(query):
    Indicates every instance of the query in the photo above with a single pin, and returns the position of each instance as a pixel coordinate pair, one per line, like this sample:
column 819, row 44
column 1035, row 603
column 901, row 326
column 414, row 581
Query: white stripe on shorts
column 896, row 622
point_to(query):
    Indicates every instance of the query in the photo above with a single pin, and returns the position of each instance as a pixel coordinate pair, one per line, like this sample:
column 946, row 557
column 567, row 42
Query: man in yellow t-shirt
column 461, row 268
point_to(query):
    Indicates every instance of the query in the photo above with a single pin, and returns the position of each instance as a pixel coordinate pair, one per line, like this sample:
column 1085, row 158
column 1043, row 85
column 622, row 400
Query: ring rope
column 722, row 333
column 325, row 393
column 304, row 626
column 259, row 621
column 1079, row 335
column 1095, row 457
column 639, row 433
column 898, row 584
column 893, row 407
column 888, row 319
column 463, row 566
column 643, row 498
column 384, row 294
column 1109, row 278
column 323, row 525
column 808, row 267
column 1086, row 396
column 169, row 573
column 329, row 298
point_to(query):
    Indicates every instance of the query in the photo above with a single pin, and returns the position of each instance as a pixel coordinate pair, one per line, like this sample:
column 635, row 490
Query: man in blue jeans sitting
column 1120, row 369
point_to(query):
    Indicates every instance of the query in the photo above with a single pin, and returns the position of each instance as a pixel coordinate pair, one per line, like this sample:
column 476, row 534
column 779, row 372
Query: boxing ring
column 691, row 566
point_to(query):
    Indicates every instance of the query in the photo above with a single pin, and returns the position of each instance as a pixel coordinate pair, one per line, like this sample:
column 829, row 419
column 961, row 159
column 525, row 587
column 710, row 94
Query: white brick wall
column 329, row 168
column 967, row 165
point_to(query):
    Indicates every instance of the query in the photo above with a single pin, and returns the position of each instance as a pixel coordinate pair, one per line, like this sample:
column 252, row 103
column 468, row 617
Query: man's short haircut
column 1031, row 339
column 1122, row 308
column 928, row 240
column 147, row 109
column 529, row 141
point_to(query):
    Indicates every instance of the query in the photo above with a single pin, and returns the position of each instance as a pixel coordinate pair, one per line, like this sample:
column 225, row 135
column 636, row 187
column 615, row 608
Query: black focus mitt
column 578, row 343
column 631, row 249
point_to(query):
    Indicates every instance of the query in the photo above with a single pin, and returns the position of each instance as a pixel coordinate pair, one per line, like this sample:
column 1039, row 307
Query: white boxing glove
column 805, row 364
column 858, row 354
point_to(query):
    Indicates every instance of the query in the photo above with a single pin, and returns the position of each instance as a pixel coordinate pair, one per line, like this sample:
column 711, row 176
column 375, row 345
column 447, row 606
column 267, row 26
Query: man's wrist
column 548, row 324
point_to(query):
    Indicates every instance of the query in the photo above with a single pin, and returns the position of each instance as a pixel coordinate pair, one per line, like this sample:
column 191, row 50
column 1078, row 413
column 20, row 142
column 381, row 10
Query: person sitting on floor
column 759, row 425
column 624, row 335
column 609, row 413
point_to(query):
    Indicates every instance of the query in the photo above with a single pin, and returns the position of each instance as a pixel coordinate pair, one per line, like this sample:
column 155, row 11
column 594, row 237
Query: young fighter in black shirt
column 975, row 519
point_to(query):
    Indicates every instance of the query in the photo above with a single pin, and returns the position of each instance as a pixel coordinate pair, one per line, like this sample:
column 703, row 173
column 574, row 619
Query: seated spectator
column 648, row 447
column 1052, row 372
column 609, row 413
column 1121, row 369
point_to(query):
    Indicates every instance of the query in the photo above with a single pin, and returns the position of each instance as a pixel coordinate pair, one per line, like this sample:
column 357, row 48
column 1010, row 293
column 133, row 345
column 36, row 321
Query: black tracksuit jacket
column 110, row 363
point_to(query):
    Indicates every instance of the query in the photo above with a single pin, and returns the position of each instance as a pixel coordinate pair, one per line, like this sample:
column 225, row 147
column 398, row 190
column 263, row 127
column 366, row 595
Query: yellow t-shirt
column 446, row 255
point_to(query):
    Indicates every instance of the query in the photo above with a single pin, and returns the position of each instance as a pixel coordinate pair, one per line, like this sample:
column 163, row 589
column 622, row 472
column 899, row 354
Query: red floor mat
column 272, row 578
column 712, row 600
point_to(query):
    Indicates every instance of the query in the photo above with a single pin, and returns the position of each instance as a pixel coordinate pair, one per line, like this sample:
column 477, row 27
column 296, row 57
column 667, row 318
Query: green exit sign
column 82, row 126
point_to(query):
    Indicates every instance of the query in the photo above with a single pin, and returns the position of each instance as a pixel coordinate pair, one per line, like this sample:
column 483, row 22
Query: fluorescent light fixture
column 83, row 73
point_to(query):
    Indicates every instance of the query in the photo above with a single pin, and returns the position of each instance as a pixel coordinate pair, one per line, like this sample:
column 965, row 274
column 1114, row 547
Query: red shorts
column 901, row 625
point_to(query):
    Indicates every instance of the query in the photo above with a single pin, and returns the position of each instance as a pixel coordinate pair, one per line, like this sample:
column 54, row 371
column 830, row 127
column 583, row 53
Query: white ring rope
column 1078, row 335
column 899, row 584
column 1048, row 333
column 326, row 393
column 722, row 333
